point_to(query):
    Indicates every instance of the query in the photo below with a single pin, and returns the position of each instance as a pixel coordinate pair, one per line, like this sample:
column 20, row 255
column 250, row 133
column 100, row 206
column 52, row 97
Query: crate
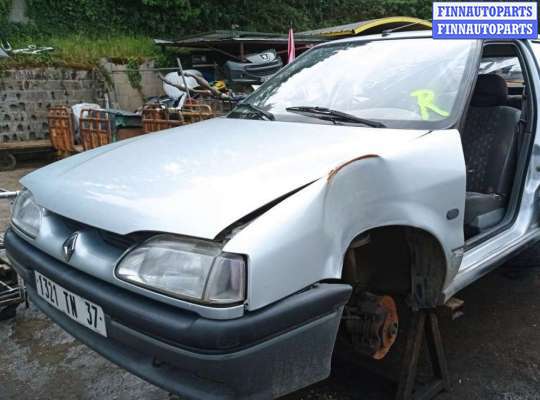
column 196, row 112
column 156, row 118
column 95, row 128
column 218, row 106
column 61, row 130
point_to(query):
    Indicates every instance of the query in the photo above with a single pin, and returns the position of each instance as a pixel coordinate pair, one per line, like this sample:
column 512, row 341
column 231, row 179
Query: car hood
column 197, row 180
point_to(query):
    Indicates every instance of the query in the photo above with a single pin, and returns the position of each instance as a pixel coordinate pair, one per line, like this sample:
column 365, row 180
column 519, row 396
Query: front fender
column 303, row 239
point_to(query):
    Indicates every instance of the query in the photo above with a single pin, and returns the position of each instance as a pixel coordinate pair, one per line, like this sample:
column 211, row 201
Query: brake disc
column 372, row 324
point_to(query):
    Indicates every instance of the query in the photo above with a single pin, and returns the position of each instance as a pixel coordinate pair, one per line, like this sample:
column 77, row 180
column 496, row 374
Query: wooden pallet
column 44, row 144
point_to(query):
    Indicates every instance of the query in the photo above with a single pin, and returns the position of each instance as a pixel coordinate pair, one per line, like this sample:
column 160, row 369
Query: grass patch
column 84, row 52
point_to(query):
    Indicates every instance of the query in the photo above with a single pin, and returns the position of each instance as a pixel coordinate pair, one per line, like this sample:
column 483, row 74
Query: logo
column 485, row 20
column 69, row 246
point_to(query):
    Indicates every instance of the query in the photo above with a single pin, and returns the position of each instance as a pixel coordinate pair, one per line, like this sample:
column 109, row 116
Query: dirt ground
column 493, row 351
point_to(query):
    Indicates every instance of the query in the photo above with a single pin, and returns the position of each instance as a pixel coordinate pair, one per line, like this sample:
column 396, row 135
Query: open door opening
column 493, row 137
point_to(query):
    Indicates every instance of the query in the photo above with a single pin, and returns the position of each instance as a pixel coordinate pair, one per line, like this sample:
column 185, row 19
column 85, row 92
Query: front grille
column 122, row 242
column 118, row 241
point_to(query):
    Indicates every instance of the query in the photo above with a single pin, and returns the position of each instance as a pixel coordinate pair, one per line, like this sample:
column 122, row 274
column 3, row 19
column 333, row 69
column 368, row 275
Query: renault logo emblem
column 69, row 246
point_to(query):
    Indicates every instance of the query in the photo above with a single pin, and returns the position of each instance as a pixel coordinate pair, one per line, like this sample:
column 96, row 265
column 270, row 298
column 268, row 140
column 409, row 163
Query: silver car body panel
column 303, row 239
column 199, row 179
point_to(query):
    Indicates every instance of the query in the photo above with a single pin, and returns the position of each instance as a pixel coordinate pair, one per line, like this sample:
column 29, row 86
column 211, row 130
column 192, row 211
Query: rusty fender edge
column 338, row 168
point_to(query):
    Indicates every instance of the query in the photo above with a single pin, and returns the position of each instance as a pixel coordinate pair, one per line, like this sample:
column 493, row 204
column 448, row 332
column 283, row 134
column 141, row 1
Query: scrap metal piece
column 12, row 289
column 31, row 50
column 453, row 308
column 4, row 194
column 372, row 324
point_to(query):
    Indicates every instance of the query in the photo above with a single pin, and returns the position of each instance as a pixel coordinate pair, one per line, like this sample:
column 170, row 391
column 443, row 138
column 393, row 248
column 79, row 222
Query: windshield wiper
column 258, row 110
column 333, row 115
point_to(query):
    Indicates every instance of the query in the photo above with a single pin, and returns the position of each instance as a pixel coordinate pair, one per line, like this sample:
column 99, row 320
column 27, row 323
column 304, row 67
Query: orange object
column 61, row 131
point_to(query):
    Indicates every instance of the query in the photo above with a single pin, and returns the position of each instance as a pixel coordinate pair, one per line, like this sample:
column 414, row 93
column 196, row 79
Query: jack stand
column 424, row 325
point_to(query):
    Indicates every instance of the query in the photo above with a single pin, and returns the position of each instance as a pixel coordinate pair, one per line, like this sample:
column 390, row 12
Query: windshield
column 408, row 83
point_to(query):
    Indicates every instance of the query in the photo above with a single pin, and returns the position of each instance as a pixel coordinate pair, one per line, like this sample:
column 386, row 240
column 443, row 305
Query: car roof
column 419, row 34
column 382, row 36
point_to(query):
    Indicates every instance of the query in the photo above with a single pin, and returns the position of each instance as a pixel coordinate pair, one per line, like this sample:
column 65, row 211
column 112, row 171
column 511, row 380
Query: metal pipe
column 8, row 195
column 119, row 71
column 183, row 77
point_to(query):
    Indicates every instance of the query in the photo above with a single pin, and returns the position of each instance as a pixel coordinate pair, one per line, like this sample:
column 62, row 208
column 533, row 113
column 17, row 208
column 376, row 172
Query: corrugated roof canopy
column 236, row 44
column 220, row 38
column 369, row 27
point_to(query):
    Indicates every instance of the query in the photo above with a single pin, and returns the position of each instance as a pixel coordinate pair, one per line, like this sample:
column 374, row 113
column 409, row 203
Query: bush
column 172, row 18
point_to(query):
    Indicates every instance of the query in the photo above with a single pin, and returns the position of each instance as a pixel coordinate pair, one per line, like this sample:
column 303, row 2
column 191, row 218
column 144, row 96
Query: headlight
column 26, row 214
column 186, row 268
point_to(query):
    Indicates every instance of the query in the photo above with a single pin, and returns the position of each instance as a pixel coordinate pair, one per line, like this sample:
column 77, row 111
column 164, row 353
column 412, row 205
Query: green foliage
column 133, row 74
column 84, row 31
column 83, row 52
column 172, row 18
column 4, row 9
column 80, row 49
column 109, row 17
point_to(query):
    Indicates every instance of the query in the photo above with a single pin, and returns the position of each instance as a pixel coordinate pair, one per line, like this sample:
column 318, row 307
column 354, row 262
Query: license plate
column 77, row 308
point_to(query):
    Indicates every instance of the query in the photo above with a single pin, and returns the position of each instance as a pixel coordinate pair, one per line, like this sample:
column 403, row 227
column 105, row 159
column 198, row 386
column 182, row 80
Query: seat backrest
column 489, row 138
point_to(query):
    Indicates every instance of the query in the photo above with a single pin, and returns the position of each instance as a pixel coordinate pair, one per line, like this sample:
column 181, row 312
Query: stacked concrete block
column 26, row 94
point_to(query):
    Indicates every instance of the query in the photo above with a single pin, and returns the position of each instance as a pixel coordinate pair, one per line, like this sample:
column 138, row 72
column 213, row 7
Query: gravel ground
column 493, row 351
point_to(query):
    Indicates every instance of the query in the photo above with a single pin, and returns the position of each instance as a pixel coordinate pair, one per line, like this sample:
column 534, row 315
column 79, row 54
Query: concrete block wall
column 26, row 94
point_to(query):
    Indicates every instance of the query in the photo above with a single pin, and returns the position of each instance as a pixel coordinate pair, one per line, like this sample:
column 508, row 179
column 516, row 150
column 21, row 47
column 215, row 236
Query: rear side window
column 508, row 68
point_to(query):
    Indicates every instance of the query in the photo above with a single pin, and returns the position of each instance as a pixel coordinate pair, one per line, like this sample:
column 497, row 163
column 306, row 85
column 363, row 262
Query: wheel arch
column 400, row 260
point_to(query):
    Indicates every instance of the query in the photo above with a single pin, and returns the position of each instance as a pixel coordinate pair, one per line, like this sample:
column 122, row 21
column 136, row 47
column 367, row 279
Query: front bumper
column 264, row 354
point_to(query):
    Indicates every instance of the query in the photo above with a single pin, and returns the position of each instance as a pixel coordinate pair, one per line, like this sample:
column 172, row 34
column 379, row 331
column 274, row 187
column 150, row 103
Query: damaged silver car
column 217, row 260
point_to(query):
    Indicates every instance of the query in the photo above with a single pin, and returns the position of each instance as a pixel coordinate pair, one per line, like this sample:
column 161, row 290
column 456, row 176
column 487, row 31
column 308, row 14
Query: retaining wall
column 26, row 94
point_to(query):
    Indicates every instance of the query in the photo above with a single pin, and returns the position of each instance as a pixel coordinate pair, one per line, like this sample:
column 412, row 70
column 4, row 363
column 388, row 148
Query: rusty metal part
column 335, row 170
column 196, row 112
column 156, row 118
column 61, row 130
column 95, row 127
column 372, row 324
